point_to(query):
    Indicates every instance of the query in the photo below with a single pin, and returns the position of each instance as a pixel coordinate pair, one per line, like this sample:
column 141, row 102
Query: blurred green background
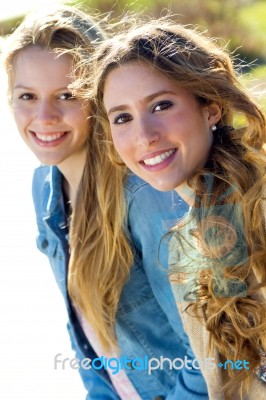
column 241, row 24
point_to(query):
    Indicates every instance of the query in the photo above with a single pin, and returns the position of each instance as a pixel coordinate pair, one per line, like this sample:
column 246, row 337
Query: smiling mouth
column 50, row 137
column 159, row 159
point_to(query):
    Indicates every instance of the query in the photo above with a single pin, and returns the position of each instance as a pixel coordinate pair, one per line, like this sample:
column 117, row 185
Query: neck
column 72, row 172
column 186, row 193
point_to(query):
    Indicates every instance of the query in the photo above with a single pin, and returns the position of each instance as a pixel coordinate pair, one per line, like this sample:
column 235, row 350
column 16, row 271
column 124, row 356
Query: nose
column 147, row 132
column 47, row 113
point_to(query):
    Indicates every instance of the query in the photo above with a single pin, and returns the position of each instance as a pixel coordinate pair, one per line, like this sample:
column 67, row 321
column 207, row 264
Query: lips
column 159, row 158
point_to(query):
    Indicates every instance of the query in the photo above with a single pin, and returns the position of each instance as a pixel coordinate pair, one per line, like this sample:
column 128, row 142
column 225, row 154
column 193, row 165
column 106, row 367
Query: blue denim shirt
column 148, row 325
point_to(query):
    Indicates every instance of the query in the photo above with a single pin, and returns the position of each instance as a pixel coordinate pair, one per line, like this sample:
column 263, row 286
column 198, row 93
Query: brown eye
column 122, row 119
column 26, row 96
column 162, row 105
column 66, row 96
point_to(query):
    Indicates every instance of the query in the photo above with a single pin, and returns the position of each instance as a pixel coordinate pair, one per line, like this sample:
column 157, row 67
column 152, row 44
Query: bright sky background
column 33, row 316
column 18, row 7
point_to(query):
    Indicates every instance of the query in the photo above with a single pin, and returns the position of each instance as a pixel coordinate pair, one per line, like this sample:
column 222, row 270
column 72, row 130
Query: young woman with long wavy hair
column 170, row 106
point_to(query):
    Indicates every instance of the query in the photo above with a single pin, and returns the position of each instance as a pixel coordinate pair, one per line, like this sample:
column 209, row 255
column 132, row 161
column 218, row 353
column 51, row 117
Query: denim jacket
column 148, row 325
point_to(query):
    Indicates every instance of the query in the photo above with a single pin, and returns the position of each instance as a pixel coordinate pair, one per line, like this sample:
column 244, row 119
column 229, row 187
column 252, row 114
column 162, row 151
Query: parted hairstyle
column 191, row 59
column 100, row 255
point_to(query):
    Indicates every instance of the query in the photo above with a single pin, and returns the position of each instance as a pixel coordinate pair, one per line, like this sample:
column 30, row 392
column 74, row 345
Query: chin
column 163, row 186
column 48, row 161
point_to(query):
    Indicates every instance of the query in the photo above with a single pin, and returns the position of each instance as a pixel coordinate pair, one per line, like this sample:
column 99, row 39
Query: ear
column 214, row 114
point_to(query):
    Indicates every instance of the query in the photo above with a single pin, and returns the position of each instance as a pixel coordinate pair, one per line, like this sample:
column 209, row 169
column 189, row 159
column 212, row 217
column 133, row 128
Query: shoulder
column 41, row 175
column 133, row 184
column 46, row 182
column 138, row 191
column 135, row 188
column 142, row 198
column 45, row 174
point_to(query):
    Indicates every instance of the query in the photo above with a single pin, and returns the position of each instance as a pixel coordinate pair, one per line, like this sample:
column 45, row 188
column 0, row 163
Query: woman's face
column 52, row 122
column 159, row 129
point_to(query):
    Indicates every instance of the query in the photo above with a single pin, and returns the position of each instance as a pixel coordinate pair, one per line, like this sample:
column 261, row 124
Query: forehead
column 137, row 80
column 136, row 69
column 136, row 76
column 35, row 54
column 34, row 64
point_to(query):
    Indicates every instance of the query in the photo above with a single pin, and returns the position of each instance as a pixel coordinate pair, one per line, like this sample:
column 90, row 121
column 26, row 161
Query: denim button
column 45, row 244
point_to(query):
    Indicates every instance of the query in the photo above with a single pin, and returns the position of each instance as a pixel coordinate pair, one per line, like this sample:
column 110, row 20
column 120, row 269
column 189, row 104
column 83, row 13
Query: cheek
column 20, row 117
column 121, row 144
column 77, row 118
column 118, row 145
column 115, row 138
column 87, row 124
column 22, row 109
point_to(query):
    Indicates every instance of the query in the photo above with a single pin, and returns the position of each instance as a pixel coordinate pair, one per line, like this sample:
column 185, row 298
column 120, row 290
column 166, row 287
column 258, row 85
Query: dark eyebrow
column 157, row 94
column 19, row 86
column 123, row 107
column 22, row 87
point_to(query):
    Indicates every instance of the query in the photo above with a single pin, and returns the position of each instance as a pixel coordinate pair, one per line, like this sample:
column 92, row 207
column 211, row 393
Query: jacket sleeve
column 150, row 215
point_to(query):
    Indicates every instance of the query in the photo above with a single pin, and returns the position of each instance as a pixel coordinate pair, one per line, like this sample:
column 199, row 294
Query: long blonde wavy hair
column 237, row 324
column 100, row 254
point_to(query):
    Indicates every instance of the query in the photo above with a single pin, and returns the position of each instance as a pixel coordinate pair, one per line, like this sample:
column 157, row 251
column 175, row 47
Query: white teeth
column 48, row 138
column 159, row 159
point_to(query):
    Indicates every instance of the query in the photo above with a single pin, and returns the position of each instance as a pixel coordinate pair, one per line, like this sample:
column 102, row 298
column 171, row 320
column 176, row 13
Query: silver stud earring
column 213, row 128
